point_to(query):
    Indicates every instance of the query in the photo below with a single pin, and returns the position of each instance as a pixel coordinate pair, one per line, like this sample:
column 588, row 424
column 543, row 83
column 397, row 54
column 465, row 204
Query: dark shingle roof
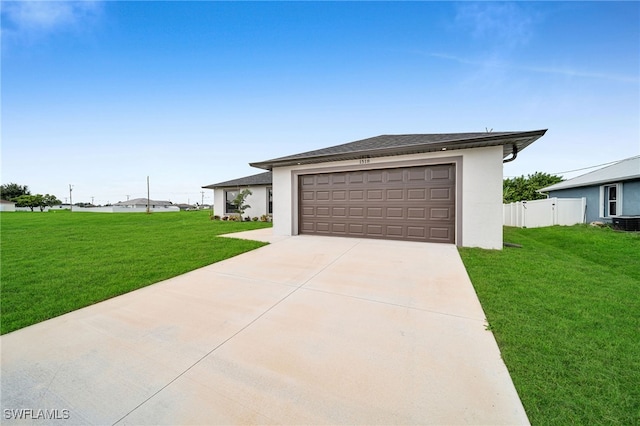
column 259, row 179
column 386, row 145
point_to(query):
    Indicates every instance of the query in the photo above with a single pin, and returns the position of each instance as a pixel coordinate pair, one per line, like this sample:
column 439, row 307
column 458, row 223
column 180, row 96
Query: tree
column 30, row 201
column 525, row 188
column 38, row 200
column 10, row 191
column 51, row 200
column 238, row 202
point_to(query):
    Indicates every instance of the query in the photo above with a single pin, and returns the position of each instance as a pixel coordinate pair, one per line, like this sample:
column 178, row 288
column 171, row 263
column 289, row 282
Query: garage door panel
column 357, row 195
column 417, row 174
column 339, row 195
column 416, row 231
column 395, row 231
column 374, row 194
column 339, row 212
column 395, row 176
column 441, row 173
column 339, row 228
column 417, row 213
column 355, row 178
column 374, row 176
column 356, row 229
column 414, row 203
column 356, row 212
column 440, row 213
column 323, row 211
column 339, row 178
column 395, row 212
column 375, row 212
column 441, row 234
column 417, row 194
column 395, row 194
column 445, row 194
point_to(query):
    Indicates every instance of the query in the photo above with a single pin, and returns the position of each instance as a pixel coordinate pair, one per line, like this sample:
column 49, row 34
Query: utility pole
column 70, row 199
column 127, row 198
column 202, row 203
column 92, row 200
column 148, row 198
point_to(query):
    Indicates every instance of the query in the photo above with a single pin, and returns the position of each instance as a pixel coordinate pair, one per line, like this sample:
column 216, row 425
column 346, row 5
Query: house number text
column 365, row 161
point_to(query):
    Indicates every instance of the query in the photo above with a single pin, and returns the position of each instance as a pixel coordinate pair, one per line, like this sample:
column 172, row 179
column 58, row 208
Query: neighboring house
column 186, row 206
column 260, row 200
column 7, row 206
column 610, row 191
column 421, row 187
column 142, row 203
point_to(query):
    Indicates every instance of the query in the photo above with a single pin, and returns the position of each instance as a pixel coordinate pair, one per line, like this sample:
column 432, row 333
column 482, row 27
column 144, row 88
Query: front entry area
column 407, row 203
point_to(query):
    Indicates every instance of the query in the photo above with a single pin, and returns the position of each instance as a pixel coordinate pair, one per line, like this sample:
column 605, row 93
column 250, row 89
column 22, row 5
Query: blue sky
column 101, row 95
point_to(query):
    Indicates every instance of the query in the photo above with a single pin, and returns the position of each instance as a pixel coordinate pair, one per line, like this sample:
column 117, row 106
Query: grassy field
column 56, row 262
column 565, row 310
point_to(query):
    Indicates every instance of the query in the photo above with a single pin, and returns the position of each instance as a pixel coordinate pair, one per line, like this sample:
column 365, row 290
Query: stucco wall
column 257, row 200
column 631, row 198
column 479, row 179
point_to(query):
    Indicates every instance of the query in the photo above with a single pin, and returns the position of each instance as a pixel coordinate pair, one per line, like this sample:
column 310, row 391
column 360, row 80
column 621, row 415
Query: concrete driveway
column 307, row 330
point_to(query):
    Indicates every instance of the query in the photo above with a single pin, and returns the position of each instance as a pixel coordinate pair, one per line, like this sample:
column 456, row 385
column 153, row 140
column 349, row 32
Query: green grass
column 565, row 310
column 53, row 263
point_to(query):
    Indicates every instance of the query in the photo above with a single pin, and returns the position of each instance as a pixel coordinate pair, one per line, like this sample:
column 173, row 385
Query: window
column 270, row 200
column 611, row 200
column 229, row 196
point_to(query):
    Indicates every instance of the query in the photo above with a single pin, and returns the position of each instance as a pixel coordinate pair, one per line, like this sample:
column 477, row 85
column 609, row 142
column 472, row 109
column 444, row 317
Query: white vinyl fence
column 548, row 212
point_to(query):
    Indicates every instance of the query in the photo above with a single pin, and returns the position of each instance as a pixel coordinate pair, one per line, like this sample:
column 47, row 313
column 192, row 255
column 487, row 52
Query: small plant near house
column 239, row 201
column 215, row 217
column 255, row 218
column 265, row 218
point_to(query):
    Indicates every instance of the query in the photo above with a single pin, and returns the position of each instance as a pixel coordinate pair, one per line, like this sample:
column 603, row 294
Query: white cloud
column 37, row 18
column 567, row 72
column 506, row 24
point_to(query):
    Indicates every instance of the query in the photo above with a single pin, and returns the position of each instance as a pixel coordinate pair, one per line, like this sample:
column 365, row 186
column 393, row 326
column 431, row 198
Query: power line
column 586, row 168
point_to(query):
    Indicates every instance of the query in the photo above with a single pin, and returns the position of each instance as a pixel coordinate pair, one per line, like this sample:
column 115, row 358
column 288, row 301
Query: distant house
column 142, row 203
column 610, row 191
column 7, row 206
column 186, row 206
column 136, row 205
column 260, row 200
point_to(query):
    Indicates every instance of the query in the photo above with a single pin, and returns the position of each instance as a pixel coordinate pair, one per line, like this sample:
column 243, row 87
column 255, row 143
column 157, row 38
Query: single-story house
column 7, row 206
column 610, row 191
column 418, row 187
column 260, row 200
column 142, row 203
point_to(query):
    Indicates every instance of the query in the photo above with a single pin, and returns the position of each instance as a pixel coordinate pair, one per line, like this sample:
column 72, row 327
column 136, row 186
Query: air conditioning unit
column 626, row 223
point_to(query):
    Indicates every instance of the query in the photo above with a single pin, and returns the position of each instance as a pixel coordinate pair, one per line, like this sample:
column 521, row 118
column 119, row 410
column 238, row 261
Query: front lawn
column 53, row 263
column 565, row 310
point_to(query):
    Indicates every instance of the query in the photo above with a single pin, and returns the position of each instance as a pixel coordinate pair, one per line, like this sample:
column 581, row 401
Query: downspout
column 514, row 153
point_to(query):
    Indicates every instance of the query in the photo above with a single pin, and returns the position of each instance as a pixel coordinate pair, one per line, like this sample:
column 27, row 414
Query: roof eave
column 519, row 139
column 592, row 183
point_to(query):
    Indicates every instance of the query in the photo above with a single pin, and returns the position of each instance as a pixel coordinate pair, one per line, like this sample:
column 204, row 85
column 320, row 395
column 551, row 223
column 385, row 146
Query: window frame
column 228, row 207
column 605, row 201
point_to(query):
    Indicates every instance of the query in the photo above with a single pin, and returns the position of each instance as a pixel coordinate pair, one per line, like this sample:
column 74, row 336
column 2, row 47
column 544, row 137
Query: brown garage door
column 411, row 203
